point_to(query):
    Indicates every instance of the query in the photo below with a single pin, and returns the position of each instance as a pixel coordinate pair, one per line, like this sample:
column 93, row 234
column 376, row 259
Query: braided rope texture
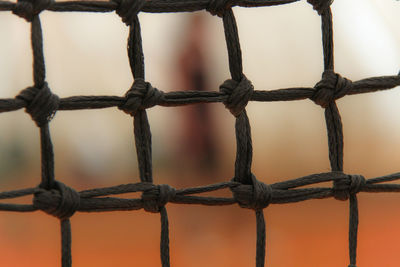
column 61, row 201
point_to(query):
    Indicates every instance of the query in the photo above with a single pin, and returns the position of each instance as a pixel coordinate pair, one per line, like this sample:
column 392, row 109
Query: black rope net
column 61, row 201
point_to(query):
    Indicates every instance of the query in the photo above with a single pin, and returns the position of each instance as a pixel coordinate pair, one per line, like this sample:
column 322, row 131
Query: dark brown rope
column 56, row 199
column 289, row 191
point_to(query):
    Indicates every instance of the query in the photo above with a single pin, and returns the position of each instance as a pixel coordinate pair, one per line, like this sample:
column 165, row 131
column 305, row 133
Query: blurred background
column 86, row 55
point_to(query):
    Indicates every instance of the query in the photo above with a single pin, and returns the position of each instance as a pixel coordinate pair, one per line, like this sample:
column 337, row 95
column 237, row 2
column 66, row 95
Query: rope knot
column 41, row 103
column 128, row 9
column 141, row 96
column 218, row 7
column 61, row 201
column 28, row 9
column 343, row 188
column 157, row 197
column 239, row 94
column 256, row 196
column 331, row 87
column 320, row 5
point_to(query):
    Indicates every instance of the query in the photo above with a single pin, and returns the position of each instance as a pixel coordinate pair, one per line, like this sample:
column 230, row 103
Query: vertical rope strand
column 332, row 115
column 164, row 244
column 335, row 136
column 142, row 132
column 233, row 45
column 141, row 125
column 47, row 154
column 353, row 230
column 66, row 257
column 327, row 39
column 47, row 158
column 335, row 132
column 39, row 70
column 135, row 49
column 244, row 149
column 261, row 236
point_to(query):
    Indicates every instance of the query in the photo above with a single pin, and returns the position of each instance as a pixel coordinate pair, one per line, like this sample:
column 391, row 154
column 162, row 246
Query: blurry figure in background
column 198, row 142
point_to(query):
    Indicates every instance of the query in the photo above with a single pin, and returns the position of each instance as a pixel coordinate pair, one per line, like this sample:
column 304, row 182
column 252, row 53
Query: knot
column 61, row 201
column 157, row 197
column 239, row 94
column 141, row 96
column 343, row 188
column 256, row 196
column 331, row 87
column 320, row 5
column 128, row 9
column 28, row 9
column 41, row 103
column 218, row 7
column 356, row 183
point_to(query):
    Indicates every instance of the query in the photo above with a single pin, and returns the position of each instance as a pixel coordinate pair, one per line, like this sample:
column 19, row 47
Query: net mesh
column 61, row 201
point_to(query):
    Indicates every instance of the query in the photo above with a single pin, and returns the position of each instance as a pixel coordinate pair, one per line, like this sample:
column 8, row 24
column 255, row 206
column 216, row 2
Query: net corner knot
column 256, row 196
column 128, row 9
column 157, row 197
column 344, row 187
column 141, row 96
column 320, row 5
column 61, row 201
column 239, row 94
column 218, row 7
column 41, row 103
column 331, row 87
column 28, row 9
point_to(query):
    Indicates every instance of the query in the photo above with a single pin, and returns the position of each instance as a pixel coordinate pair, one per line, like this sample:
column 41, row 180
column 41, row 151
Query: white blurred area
column 86, row 54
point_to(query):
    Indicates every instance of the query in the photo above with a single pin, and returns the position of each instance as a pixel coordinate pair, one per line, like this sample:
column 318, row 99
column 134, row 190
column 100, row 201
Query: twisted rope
column 59, row 200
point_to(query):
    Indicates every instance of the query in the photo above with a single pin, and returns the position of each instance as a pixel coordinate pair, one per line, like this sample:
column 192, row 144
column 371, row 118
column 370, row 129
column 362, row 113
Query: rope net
column 61, row 201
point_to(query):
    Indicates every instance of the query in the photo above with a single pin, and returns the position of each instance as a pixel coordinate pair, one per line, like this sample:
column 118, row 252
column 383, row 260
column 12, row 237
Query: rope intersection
column 57, row 199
